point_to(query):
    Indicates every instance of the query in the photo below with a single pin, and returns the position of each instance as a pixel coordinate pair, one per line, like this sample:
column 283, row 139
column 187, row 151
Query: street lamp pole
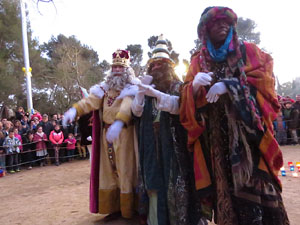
column 27, row 69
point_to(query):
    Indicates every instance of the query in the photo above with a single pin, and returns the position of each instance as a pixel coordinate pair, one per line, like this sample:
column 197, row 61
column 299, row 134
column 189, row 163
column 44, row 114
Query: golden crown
column 121, row 58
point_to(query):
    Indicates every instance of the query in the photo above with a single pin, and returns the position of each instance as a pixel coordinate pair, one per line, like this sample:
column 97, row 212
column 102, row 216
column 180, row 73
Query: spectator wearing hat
column 291, row 115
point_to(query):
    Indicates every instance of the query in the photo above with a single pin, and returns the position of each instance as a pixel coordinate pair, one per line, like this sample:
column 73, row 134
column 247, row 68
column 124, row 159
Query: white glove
column 215, row 91
column 140, row 96
column 149, row 90
column 201, row 79
column 114, row 130
column 69, row 116
column 146, row 79
column 89, row 138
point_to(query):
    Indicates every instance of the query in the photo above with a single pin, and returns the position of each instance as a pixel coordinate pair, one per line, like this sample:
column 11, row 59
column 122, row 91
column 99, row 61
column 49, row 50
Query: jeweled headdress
column 121, row 58
column 161, row 52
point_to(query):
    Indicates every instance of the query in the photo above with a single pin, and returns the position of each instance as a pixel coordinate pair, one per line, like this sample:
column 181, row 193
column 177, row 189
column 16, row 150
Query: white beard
column 118, row 82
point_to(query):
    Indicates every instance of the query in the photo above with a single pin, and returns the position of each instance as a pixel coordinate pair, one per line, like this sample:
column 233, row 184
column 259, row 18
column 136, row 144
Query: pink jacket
column 41, row 144
column 56, row 138
column 70, row 146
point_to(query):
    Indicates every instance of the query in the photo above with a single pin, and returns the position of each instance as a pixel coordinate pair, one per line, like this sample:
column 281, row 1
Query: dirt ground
column 59, row 195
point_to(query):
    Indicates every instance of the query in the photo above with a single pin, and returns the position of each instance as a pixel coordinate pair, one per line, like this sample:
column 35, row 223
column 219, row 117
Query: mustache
column 117, row 73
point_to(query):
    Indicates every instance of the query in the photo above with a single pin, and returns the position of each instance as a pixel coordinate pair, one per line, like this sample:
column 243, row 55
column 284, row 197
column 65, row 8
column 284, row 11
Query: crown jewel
column 121, row 58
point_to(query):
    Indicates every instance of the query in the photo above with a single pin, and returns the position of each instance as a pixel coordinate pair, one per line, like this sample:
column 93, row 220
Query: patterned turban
column 211, row 14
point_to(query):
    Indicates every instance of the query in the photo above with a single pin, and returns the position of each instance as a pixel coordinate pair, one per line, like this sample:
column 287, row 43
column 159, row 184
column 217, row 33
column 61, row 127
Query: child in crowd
column 40, row 138
column 56, row 137
column 28, row 149
column 33, row 125
column 17, row 135
column 11, row 144
column 71, row 141
column 2, row 152
column 37, row 115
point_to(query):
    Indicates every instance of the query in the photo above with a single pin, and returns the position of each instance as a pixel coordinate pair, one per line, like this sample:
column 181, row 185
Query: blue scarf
column 220, row 54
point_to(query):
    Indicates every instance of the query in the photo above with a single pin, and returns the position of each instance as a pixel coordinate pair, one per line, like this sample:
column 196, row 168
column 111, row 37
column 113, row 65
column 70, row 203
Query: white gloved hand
column 114, row 130
column 140, row 96
column 146, row 79
column 201, row 79
column 215, row 91
column 149, row 90
column 89, row 138
column 69, row 116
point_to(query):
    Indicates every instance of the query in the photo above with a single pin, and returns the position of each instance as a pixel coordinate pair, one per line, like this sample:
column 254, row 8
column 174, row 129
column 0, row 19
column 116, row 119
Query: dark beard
column 161, row 80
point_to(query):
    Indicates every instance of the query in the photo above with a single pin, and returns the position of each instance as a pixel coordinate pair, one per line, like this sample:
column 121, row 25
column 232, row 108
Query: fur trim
column 98, row 89
column 129, row 90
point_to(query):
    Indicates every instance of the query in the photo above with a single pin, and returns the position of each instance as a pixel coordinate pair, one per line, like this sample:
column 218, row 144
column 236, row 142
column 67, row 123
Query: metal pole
column 26, row 58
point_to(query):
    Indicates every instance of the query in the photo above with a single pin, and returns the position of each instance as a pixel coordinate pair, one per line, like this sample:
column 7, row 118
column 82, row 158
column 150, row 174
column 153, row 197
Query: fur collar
column 97, row 89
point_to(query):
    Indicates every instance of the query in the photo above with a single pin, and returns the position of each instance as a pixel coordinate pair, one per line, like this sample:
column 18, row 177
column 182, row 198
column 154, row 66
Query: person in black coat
column 85, row 131
column 28, row 155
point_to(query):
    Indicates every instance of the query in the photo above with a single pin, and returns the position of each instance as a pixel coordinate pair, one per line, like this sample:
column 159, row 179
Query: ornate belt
column 111, row 152
column 112, row 157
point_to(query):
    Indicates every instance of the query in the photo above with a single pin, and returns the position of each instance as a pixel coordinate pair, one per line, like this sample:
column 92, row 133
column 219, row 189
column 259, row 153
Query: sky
column 106, row 25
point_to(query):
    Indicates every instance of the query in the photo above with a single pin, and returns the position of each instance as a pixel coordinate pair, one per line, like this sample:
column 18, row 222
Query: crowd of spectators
column 27, row 141
column 37, row 140
column 287, row 124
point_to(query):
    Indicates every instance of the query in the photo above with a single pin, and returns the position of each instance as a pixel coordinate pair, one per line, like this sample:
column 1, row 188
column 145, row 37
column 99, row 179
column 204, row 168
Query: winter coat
column 56, row 138
column 291, row 116
column 11, row 145
column 296, row 105
column 40, row 141
column 70, row 146
column 85, row 128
